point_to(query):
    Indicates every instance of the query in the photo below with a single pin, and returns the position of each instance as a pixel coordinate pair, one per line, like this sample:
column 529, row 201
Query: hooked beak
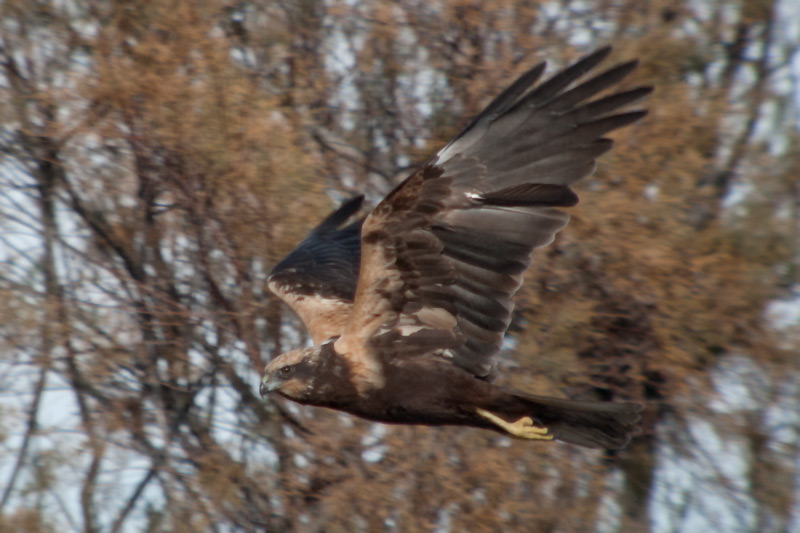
column 267, row 386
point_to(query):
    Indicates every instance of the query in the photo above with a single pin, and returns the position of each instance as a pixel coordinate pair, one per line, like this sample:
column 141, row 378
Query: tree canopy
column 158, row 158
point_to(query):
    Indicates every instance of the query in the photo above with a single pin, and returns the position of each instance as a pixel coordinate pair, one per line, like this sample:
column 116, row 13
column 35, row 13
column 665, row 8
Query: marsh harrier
column 408, row 306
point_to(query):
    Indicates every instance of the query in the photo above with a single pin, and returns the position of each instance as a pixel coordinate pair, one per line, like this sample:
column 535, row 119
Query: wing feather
column 453, row 240
column 318, row 278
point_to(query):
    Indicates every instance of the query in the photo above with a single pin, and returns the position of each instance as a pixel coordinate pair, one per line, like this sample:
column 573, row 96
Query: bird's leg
column 522, row 428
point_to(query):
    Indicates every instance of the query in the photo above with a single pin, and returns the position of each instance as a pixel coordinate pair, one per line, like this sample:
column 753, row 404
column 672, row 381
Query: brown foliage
column 159, row 157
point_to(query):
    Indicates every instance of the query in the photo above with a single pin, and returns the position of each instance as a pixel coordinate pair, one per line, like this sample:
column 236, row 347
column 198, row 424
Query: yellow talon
column 522, row 428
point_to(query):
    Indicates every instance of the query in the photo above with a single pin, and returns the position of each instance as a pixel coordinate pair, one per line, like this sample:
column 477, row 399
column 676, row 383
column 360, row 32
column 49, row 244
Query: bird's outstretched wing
column 443, row 254
column 318, row 278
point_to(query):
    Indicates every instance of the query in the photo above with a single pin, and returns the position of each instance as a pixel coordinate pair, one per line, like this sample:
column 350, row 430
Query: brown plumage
column 438, row 262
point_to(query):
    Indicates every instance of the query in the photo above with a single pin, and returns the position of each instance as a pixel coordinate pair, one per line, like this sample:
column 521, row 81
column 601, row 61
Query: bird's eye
column 285, row 371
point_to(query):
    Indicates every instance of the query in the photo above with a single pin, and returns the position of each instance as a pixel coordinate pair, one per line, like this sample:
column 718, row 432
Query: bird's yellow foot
column 522, row 428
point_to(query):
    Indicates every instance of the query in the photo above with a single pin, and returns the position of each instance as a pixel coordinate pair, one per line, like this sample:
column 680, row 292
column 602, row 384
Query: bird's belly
column 434, row 405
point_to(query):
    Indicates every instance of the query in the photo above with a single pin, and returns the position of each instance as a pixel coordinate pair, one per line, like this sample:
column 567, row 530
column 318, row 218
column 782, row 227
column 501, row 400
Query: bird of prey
column 408, row 306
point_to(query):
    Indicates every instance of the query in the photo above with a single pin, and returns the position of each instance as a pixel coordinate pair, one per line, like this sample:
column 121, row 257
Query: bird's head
column 291, row 374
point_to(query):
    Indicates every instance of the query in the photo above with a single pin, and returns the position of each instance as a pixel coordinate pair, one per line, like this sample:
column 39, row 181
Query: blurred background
column 157, row 158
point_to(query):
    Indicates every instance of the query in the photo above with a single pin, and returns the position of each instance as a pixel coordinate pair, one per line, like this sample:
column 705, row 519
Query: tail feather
column 585, row 423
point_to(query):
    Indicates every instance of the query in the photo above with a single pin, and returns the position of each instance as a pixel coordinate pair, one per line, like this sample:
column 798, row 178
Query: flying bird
column 408, row 306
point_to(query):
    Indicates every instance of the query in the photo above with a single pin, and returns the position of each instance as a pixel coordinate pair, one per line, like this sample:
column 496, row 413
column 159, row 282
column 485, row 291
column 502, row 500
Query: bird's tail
column 593, row 424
